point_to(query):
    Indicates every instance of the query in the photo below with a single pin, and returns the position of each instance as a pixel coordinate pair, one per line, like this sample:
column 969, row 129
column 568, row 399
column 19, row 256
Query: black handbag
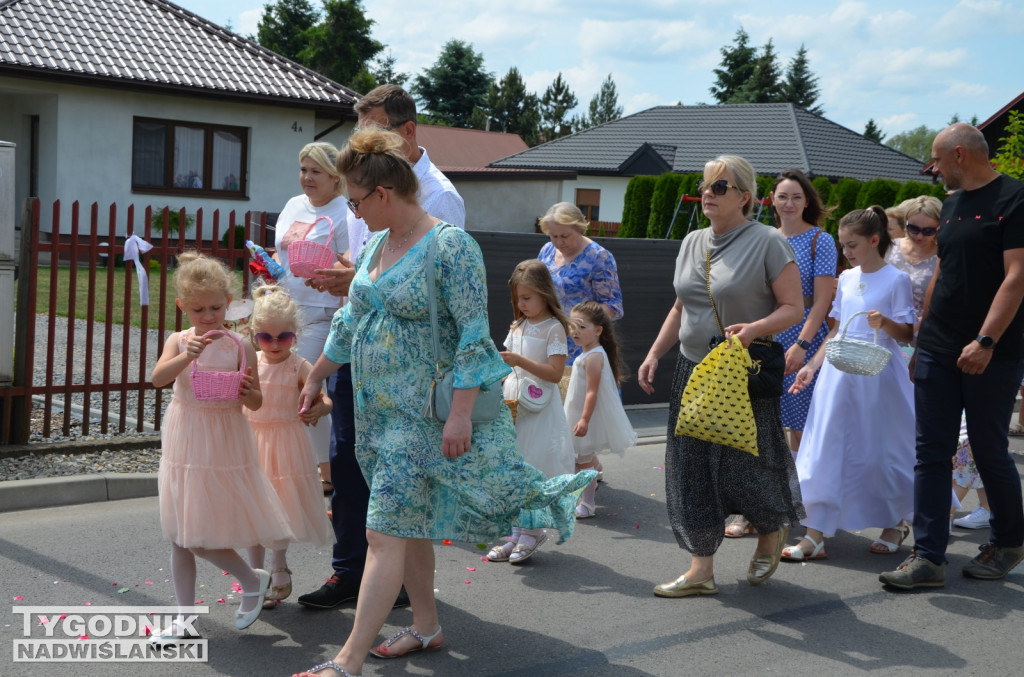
column 767, row 357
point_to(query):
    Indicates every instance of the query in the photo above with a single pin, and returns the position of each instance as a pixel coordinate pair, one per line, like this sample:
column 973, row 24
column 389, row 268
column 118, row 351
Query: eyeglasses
column 386, row 128
column 718, row 187
column 284, row 339
column 354, row 204
column 918, row 230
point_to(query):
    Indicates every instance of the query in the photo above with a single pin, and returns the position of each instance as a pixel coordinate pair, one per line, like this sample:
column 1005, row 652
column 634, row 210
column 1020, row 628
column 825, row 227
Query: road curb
column 51, row 492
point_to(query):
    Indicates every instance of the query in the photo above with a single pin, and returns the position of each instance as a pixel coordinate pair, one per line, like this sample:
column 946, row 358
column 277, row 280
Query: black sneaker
column 993, row 562
column 332, row 593
column 335, row 591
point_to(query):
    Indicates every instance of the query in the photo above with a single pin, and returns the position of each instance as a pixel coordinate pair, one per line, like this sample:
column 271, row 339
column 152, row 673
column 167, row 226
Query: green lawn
column 83, row 294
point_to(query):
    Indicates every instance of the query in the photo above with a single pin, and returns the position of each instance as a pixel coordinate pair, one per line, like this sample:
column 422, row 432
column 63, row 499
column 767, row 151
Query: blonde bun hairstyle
column 273, row 304
column 375, row 157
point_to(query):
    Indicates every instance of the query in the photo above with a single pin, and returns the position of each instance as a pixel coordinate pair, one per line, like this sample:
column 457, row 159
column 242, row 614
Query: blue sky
column 902, row 63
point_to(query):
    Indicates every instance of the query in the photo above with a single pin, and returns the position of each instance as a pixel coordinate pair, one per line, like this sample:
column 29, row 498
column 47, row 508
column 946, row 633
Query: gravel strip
column 35, row 466
column 123, row 354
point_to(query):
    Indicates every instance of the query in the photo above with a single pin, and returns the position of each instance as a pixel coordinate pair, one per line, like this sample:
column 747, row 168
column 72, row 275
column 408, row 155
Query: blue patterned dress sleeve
column 462, row 288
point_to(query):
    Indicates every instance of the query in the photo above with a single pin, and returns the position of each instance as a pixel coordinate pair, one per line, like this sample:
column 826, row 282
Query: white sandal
column 794, row 553
column 381, row 650
column 500, row 553
column 521, row 553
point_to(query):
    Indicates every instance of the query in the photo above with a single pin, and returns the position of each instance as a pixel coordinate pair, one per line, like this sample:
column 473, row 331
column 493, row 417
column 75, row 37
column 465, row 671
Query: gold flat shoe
column 763, row 566
column 681, row 587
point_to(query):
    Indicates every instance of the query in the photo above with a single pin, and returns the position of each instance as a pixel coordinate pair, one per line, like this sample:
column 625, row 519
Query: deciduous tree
column 917, row 143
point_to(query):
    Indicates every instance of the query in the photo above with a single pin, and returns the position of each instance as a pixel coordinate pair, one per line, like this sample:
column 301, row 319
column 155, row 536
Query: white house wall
column 85, row 149
column 509, row 206
column 613, row 193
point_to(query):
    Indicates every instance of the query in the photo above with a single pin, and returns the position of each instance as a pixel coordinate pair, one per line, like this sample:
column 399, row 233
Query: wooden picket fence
column 82, row 244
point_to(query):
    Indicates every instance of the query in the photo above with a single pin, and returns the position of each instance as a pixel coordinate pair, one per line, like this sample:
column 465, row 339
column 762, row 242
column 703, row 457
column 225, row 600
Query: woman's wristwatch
column 806, row 345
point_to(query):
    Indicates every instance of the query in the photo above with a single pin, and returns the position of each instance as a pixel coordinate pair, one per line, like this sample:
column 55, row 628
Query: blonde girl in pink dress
column 214, row 498
column 282, row 437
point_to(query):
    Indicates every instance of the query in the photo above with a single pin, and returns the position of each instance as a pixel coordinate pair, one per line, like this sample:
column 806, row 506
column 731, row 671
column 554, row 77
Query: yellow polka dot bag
column 715, row 405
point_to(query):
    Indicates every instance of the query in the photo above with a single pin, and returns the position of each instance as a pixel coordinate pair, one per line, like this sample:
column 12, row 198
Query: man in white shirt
column 389, row 107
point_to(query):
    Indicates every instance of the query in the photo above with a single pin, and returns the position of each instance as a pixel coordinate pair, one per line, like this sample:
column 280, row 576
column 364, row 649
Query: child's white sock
column 588, row 497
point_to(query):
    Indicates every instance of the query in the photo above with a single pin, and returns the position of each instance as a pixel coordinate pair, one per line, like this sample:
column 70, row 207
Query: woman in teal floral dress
column 428, row 480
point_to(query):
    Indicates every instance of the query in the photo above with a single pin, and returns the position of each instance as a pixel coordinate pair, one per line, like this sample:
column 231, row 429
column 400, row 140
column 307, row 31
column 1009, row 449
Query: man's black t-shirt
column 976, row 227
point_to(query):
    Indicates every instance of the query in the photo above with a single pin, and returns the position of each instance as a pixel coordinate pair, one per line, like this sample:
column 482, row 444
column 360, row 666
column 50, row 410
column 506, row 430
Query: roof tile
column 772, row 137
column 153, row 42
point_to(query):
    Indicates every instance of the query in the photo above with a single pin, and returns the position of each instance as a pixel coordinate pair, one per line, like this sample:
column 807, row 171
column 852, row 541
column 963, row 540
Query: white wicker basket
column 855, row 356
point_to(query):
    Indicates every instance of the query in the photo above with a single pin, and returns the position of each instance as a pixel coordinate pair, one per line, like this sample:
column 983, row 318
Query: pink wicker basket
column 217, row 386
column 306, row 256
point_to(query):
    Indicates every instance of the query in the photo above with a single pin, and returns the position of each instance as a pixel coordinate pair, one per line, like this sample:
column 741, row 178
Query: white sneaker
column 976, row 520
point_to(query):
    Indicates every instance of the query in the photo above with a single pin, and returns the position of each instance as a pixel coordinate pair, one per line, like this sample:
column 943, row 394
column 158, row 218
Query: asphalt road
column 583, row 608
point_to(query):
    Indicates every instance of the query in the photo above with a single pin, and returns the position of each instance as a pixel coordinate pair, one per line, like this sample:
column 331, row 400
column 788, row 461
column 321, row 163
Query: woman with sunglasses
column 916, row 254
column 321, row 197
column 429, row 480
column 752, row 276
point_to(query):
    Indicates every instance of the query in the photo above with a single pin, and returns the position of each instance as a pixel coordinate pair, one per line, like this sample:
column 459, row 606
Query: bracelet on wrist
column 806, row 345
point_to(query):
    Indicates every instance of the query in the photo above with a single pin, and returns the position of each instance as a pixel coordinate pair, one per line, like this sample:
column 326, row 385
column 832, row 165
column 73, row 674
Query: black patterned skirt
column 707, row 482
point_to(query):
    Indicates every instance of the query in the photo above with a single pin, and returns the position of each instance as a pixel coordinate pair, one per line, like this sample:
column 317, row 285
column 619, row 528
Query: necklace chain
column 394, row 249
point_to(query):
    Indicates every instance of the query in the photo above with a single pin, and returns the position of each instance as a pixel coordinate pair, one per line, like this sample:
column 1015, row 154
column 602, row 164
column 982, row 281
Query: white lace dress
column 544, row 437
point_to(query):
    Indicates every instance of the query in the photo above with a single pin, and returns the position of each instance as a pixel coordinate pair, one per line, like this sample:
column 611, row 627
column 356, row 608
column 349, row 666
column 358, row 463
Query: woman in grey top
column 756, row 286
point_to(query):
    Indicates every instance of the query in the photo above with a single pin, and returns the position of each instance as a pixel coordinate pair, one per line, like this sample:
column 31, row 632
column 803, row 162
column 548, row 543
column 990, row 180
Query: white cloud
column 248, row 21
column 898, row 121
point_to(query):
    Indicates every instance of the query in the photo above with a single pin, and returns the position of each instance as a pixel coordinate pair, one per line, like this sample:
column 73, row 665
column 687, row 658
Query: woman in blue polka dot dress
column 799, row 213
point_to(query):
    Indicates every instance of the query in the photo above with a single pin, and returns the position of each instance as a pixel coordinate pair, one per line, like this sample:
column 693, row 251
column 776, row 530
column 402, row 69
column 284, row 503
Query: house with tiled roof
column 497, row 198
column 772, row 136
column 142, row 102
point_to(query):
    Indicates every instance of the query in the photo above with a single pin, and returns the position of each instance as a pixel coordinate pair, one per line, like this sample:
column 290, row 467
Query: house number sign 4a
column 296, row 127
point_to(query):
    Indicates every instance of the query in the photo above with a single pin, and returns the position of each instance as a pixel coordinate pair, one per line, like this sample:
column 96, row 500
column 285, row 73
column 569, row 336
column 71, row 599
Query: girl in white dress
column 592, row 403
column 537, row 349
column 856, row 460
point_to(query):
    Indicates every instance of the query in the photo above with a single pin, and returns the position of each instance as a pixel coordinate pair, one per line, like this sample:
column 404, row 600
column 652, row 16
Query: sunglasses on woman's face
column 718, row 187
column 918, row 230
column 284, row 339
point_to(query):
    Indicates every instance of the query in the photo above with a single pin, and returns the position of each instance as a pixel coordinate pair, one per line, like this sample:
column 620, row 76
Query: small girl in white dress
column 537, row 350
column 592, row 403
column 857, row 455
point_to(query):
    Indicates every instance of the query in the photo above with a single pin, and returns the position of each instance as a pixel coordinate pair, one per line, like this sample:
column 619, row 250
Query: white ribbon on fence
column 133, row 247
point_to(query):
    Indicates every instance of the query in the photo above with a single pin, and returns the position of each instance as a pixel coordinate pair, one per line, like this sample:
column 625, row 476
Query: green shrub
column 844, row 196
column 173, row 220
column 239, row 232
column 687, row 186
column 878, row 192
column 663, row 205
column 824, row 188
column 912, row 189
column 637, row 210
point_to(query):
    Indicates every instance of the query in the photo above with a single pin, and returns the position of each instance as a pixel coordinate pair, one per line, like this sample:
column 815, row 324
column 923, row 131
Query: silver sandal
column 381, row 650
column 333, row 666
